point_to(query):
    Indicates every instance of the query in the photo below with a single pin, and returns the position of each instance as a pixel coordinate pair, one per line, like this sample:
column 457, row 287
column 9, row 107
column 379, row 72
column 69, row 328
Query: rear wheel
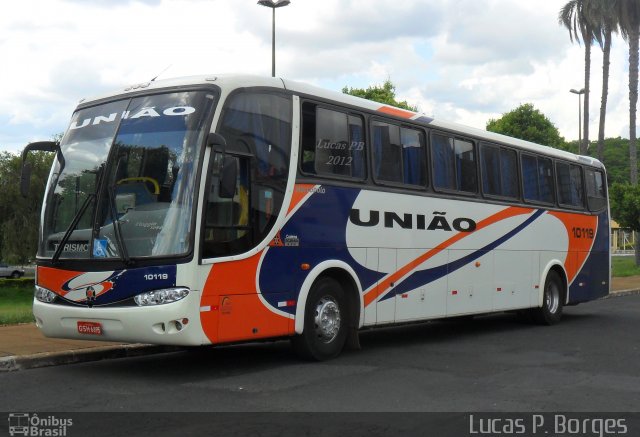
column 325, row 322
column 15, row 275
column 550, row 312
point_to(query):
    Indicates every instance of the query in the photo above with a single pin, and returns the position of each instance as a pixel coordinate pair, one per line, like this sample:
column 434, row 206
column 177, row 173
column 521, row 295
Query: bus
column 224, row 209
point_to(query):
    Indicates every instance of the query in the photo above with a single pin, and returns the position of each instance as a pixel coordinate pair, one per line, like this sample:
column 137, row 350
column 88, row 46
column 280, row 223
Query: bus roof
column 232, row 81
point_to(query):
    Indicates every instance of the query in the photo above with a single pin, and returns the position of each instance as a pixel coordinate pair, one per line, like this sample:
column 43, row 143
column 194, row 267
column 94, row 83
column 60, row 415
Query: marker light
column 159, row 297
column 44, row 295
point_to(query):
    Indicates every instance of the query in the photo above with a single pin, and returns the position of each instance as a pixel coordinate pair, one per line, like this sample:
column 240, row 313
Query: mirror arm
column 43, row 146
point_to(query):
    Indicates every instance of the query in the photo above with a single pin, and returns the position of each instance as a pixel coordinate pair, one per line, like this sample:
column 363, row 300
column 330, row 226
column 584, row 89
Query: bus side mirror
column 228, row 169
column 215, row 139
column 228, row 177
column 25, row 179
column 43, row 146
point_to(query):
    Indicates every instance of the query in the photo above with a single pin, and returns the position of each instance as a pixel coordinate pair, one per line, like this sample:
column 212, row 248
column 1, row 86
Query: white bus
column 220, row 209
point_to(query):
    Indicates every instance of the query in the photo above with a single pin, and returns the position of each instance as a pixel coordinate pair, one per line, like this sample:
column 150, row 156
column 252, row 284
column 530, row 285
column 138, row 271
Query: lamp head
column 272, row 4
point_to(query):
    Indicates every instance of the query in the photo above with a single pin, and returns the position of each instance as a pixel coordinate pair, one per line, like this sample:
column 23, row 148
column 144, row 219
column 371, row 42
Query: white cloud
column 463, row 60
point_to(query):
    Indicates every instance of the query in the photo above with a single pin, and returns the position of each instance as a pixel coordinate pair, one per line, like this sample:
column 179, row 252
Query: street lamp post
column 579, row 93
column 273, row 5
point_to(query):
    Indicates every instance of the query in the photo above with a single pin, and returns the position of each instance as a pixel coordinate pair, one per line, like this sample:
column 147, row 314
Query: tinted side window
column 332, row 143
column 596, row 193
column 387, row 152
column 444, row 171
column 258, row 126
column 398, row 154
column 537, row 179
column 509, row 172
column 570, row 190
column 413, row 157
column 454, row 164
column 499, row 171
column 545, row 180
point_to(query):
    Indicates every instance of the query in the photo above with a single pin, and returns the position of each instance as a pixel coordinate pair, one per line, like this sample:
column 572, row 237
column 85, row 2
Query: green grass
column 622, row 266
column 16, row 300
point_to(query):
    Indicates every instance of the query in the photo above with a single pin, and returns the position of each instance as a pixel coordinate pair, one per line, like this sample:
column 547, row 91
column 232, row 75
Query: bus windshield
column 127, row 188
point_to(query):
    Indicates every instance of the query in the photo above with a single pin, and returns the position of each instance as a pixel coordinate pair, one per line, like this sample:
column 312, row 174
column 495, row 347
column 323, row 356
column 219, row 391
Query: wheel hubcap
column 553, row 298
column 327, row 319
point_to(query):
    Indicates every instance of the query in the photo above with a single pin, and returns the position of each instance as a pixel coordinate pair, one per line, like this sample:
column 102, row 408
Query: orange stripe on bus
column 385, row 284
column 239, row 313
column 579, row 242
column 397, row 112
column 54, row 279
column 299, row 191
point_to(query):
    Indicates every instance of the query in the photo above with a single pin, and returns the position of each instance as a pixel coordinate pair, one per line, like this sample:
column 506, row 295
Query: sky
column 465, row 61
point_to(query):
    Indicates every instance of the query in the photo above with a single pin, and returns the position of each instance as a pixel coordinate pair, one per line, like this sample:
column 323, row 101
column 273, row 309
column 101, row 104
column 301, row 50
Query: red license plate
column 90, row 328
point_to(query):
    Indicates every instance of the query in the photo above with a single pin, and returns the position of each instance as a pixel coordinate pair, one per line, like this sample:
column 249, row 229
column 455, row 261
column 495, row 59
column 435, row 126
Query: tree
column 575, row 18
column 19, row 216
column 383, row 94
column 527, row 123
column 605, row 23
column 615, row 158
column 628, row 12
column 625, row 209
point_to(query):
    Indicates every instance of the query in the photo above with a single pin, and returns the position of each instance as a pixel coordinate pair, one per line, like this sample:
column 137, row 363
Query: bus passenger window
column 466, row 166
column 413, row 157
column 499, row 171
column 596, row 195
column 454, row 164
column 537, row 179
column 545, row 180
column 332, row 143
column 444, row 175
column 387, row 152
column 509, row 173
column 398, row 154
column 570, row 191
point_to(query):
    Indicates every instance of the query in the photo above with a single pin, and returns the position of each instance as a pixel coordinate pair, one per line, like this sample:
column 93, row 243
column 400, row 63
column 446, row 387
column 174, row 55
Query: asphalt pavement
column 24, row 347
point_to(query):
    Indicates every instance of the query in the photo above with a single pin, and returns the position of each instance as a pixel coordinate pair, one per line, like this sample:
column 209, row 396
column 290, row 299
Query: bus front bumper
column 176, row 323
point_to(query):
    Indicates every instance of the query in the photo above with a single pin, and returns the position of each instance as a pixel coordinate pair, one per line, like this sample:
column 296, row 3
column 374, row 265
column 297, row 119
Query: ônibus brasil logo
column 27, row 424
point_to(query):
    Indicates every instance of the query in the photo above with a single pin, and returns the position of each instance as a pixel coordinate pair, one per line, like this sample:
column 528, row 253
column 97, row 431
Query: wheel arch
column 347, row 278
column 554, row 265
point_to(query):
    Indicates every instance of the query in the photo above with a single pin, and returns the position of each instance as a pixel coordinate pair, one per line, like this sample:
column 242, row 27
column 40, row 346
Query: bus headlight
column 44, row 295
column 159, row 297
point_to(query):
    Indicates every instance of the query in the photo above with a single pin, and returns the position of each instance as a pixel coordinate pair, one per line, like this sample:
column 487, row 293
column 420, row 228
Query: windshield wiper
column 72, row 226
column 113, row 213
column 77, row 216
column 117, row 230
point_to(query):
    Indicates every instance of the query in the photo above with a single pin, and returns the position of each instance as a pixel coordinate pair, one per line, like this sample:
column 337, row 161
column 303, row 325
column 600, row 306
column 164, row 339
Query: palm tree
column 602, row 14
column 575, row 18
column 628, row 12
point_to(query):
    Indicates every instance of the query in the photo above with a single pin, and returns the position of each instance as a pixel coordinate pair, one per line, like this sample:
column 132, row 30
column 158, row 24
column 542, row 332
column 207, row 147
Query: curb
column 621, row 293
column 47, row 359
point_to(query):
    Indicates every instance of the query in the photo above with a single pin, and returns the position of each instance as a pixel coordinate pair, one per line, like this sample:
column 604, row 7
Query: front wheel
column 325, row 322
column 550, row 312
column 15, row 275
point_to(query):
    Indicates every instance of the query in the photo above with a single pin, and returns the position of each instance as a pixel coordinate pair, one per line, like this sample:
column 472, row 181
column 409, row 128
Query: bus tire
column 550, row 312
column 325, row 322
